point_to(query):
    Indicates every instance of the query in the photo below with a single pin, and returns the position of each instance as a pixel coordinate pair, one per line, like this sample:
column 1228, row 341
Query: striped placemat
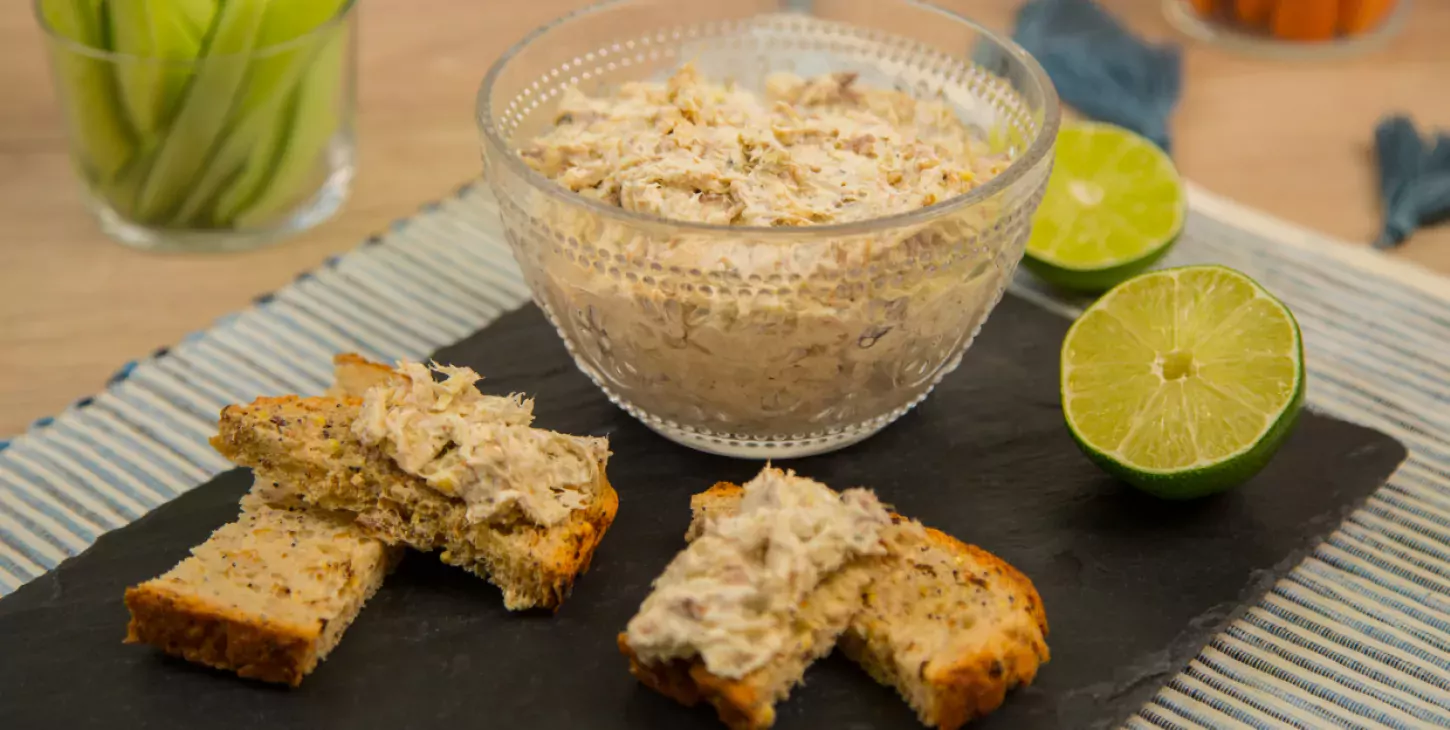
column 1357, row 636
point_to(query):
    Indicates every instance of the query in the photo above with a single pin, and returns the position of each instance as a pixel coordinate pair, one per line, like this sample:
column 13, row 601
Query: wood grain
column 1291, row 138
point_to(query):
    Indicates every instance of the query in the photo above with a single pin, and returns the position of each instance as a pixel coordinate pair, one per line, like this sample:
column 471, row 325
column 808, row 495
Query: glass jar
column 197, row 125
column 758, row 341
column 1289, row 28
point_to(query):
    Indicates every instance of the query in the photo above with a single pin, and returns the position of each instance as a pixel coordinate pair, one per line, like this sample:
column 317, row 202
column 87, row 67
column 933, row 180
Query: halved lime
column 1114, row 205
column 1183, row 382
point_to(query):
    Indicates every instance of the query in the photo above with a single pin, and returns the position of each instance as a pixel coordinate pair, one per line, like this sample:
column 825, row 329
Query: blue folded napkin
column 1100, row 68
column 1414, row 179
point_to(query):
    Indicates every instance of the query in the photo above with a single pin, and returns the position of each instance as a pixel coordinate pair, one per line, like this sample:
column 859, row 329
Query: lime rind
column 1094, row 280
column 1206, row 476
column 1202, row 482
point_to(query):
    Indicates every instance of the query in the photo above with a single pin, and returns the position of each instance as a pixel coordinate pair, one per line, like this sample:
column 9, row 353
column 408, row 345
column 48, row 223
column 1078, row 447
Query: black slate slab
column 1133, row 586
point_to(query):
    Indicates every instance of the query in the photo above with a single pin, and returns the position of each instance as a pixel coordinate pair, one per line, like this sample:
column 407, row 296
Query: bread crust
column 220, row 636
column 739, row 704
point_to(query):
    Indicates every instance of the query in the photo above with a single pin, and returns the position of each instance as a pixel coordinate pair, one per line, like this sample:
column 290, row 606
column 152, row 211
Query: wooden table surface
column 1293, row 139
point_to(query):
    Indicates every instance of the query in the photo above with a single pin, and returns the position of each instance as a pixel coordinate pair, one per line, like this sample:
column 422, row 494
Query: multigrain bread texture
column 303, row 448
column 267, row 596
column 950, row 626
column 748, row 703
column 738, row 616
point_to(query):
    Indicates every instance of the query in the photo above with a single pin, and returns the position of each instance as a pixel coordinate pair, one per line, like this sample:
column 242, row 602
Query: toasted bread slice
column 304, row 445
column 748, row 703
column 267, row 596
column 949, row 625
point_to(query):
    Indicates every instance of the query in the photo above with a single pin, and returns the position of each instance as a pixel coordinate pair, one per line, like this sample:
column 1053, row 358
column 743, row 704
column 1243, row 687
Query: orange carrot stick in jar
column 1305, row 20
column 1362, row 16
column 1254, row 13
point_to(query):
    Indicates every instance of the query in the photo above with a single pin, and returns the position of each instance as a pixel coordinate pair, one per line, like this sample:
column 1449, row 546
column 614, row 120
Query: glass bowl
column 769, row 342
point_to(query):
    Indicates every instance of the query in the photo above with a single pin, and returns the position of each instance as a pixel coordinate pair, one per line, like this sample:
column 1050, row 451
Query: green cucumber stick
column 263, row 116
column 162, row 35
column 195, row 16
column 257, row 161
column 103, row 138
column 122, row 189
column 260, row 136
column 271, row 75
column 204, row 110
column 316, row 119
column 256, row 133
column 155, row 86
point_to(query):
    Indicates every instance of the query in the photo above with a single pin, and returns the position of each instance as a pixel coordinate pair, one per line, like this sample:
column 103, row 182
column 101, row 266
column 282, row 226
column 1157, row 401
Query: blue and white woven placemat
column 1357, row 636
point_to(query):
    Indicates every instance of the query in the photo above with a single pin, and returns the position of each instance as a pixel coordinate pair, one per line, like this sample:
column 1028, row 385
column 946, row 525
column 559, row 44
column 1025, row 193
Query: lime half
column 1113, row 206
column 1183, row 382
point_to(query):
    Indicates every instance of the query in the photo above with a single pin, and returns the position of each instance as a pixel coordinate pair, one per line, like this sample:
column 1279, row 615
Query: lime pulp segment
column 1113, row 198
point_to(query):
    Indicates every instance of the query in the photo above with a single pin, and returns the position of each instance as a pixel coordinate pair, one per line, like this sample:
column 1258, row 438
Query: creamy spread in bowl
column 806, row 152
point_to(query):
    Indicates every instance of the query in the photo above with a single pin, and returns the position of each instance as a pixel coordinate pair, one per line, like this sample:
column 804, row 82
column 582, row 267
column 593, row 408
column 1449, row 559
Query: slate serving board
column 1133, row 587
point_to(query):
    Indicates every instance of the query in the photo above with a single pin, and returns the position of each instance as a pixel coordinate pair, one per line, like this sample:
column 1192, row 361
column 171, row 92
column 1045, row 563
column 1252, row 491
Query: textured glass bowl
column 769, row 342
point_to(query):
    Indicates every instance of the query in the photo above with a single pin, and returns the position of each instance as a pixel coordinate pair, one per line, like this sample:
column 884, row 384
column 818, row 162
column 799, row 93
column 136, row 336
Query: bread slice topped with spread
column 267, row 596
column 437, row 466
column 949, row 625
column 737, row 617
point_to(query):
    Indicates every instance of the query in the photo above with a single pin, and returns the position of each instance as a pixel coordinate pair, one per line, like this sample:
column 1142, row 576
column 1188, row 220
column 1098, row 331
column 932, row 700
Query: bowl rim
column 1039, row 147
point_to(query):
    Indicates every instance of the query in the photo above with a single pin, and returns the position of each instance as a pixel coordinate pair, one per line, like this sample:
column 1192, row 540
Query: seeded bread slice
column 748, row 703
column 304, row 446
column 267, row 596
column 949, row 625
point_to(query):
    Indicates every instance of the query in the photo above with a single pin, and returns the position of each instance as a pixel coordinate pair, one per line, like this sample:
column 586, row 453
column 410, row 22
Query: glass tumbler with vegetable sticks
column 206, row 125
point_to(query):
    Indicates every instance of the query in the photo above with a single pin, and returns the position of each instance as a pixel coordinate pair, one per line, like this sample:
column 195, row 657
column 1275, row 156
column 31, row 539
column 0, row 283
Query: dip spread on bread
column 478, row 448
column 730, row 597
